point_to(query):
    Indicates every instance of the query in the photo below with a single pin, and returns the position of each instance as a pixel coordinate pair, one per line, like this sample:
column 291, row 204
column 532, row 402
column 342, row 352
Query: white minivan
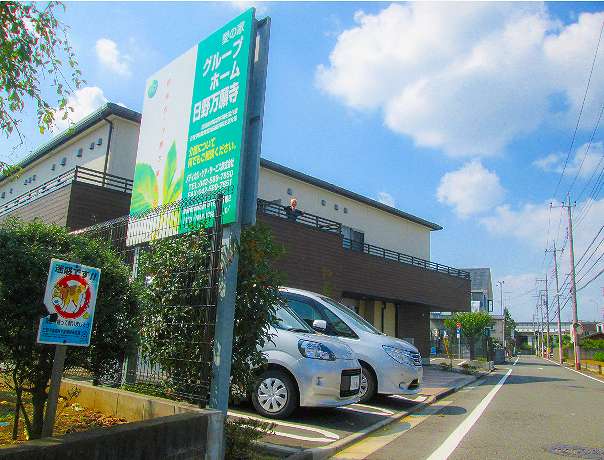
column 389, row 365
column 304, row 369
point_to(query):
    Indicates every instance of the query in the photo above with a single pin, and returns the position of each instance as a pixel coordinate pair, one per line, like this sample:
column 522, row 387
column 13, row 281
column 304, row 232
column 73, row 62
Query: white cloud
column 261, row 7
column 472, row 189
column 467, row 78
column 83, row 101
column 585, row 161
column 387, row 199
column 112, row 58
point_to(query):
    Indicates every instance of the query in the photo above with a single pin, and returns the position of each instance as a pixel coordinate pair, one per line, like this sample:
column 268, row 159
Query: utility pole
column 534, row 335
column 555, row 251
column 573, row 286
column 541, row 292
column 501, row 283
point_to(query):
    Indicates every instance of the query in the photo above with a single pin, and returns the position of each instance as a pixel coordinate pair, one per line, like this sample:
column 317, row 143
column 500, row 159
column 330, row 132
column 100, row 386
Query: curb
column 320, row 453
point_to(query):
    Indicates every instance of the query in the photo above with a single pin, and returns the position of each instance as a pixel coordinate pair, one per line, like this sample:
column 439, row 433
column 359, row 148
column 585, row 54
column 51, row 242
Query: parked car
column 304, row 369
column 389, row 366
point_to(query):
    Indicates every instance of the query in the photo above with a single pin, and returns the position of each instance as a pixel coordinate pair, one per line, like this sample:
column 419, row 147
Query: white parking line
column 574, row 370
column 451, row 443
column 374, row 411
column 419, row 399
column 329, row 436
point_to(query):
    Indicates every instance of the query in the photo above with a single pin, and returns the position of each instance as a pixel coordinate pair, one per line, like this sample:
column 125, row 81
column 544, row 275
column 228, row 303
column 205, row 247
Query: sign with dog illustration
column 70, row 299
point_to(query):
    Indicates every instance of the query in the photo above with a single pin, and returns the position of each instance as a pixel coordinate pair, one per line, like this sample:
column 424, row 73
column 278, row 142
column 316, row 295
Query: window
column 336, row 207
column 355, row 238
column 91, row 146
column 10, row 191
column 309, row 311
column 25, row 182
column 323, row 202
column 290, row 191
column 53, row 167
column 288, row 321
column 3, row 195
column 63, row 161
column 33, row 178
column 80, row 152
column 345, row 210
column 99, row 141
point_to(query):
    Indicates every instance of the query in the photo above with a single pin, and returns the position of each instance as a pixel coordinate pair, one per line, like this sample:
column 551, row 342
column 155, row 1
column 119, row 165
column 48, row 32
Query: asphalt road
column 539, row 407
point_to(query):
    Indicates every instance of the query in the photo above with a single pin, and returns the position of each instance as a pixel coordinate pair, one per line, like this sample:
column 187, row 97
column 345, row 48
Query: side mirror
column 319, row 325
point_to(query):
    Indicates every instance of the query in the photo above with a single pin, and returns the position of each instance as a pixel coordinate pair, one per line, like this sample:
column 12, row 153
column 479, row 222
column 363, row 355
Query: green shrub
column 599, row 356
column 241, row 434
column 592, row 344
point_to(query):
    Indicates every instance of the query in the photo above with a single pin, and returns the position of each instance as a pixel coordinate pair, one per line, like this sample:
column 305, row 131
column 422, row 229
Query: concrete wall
column 380, row 228
column 124, row 142
column 178, row 437
column 93, row 159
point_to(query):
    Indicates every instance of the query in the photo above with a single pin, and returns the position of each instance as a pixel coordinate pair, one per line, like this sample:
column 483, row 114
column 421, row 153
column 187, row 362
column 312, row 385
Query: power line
column 591, row 280
column 593, row 63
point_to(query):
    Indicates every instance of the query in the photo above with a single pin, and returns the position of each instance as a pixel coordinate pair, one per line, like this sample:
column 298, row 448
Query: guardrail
column 77, row 174
column 328, row 225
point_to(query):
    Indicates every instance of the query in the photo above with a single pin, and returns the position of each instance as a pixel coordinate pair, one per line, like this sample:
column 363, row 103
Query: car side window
column 310, row 311
column 304, row 310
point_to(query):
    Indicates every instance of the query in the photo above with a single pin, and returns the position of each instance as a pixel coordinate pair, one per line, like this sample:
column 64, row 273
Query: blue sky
column 459, row 113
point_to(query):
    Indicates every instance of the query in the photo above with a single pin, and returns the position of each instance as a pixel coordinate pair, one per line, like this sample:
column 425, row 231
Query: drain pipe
column 107, row 151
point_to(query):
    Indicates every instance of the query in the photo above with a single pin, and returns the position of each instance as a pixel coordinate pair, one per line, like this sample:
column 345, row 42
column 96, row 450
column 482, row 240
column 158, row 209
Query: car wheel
column 275, row 395
column 367, row 386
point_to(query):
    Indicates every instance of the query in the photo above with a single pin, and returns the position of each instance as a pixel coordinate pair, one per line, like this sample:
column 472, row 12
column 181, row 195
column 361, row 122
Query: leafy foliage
column 240, row 437
column 510, row 324
column 34, row 47
column 166, row 268
column 174, row 271
column 25, row 251
column 599, row 356
column 592, row 344
column 257, row 297
column 472, row 323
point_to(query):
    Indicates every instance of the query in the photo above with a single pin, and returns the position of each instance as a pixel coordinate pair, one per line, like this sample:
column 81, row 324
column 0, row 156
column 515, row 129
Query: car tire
column 274, row 394
column 368, row 385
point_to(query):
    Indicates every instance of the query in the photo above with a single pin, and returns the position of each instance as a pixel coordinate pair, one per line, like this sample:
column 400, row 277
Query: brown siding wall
column 414, row 322
column 90, row 205
column 316, row 261
column 52, row 208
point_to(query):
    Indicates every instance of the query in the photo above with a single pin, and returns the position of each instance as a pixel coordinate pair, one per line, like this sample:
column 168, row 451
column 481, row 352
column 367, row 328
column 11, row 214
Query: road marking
column 574, row 370
column 451, row 443
column 417, row 399
column 388, row 434
column 329, row 436
column 374, row 410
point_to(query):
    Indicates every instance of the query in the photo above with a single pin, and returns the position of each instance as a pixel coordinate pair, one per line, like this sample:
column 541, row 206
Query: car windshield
column 351, row 316
column 287, row 320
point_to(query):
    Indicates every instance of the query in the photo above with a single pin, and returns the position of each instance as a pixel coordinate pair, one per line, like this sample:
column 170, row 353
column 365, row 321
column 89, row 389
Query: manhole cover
column 592, row 453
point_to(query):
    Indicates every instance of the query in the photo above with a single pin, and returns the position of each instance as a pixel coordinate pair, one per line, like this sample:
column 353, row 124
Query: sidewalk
column 437, row 385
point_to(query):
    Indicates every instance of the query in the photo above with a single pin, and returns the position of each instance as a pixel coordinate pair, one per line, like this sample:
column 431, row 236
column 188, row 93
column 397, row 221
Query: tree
column 510, row 327
column 161, row 266
column 25, row 251
column 473, row 324
column 34, row 48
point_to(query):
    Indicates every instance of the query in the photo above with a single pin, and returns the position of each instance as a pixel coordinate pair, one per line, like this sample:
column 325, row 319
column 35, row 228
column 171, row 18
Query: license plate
column 354, row 382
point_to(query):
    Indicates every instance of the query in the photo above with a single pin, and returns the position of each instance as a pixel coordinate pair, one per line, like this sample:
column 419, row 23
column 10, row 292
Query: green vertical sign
column 217, row 122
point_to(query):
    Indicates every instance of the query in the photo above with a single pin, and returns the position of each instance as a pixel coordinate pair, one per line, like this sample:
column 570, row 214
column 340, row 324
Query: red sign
column 458, row 325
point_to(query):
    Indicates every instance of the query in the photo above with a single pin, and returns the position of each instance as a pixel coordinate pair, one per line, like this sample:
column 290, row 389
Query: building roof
column 114, row 109
column 85, row 123
column 344, row 192
column 480, row 279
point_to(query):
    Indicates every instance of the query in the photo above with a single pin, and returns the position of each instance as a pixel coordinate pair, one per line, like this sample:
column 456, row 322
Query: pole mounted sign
column 192, row 130
column 70, row 299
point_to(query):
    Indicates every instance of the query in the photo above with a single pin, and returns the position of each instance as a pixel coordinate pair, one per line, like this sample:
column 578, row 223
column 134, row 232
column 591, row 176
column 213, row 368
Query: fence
column 462, row 348
column 177, row 274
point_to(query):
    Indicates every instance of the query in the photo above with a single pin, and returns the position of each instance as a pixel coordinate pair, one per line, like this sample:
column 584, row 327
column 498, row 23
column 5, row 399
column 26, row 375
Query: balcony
column 330, row 226
column 77, row 174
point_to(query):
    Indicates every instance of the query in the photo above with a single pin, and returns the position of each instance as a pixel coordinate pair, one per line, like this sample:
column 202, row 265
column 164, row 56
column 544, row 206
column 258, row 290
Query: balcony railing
column 77, row 174
column 323, row 224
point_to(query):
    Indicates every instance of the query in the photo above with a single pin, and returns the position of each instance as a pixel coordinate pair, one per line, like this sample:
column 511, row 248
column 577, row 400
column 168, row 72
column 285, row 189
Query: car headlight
column 315, row 350
column 398, row 354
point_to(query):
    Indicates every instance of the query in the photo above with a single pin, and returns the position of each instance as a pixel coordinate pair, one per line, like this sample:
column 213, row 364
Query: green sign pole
column 225, row 306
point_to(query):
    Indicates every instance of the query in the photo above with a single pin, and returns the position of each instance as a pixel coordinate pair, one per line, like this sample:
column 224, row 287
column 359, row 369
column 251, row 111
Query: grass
column 71, row 417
